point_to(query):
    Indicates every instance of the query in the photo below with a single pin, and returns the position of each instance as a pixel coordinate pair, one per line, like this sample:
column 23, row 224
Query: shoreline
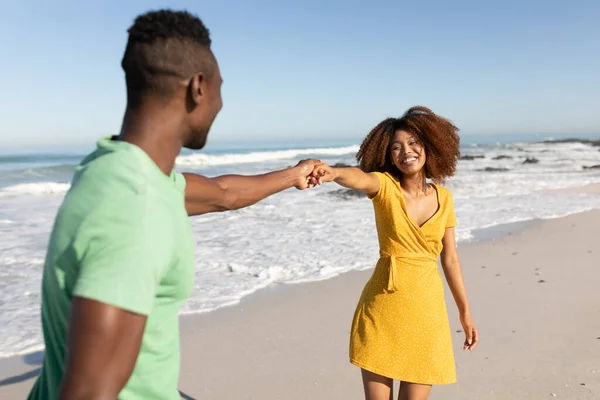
column 290, row 340
column 480, row 235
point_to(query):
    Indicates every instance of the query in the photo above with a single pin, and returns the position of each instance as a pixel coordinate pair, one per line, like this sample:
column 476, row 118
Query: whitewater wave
column 40, row 158
column 39, row 188
column 38, row 172
column 263, row 156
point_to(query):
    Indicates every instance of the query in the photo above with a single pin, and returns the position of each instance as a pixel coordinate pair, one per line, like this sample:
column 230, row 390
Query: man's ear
column 196, row 88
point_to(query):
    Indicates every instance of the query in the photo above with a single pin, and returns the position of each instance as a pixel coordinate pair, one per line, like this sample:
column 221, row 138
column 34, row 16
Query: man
column 120, row 261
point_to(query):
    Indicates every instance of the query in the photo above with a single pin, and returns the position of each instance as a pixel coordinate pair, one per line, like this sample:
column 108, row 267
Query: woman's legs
column 413, row 391
column 377, row 387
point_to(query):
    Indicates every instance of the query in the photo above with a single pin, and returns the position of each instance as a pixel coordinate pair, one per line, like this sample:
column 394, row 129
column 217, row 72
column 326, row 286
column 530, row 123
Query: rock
column 346, row 194
column 502, row 157
column 595, row 143
column 591, row 167
column 470, row 158
column 342, row 165
column 492, row 169
column 531, row 160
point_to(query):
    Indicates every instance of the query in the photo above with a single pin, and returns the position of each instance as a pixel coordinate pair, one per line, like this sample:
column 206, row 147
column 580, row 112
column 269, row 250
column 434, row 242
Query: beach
column 534, row 296
column 241, row 252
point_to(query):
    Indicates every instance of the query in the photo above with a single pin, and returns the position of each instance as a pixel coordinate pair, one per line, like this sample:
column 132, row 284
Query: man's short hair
column 164, row 48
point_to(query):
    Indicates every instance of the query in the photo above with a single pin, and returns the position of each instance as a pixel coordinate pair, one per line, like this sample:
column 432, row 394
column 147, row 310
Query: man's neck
column 156, row 131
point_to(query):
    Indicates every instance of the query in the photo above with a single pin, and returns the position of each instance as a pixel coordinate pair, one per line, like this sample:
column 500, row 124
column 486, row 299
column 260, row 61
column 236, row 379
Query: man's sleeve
column 123, row 250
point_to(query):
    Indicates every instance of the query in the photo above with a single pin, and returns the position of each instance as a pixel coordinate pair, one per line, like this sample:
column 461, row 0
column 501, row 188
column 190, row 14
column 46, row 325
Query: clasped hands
column 313, row 173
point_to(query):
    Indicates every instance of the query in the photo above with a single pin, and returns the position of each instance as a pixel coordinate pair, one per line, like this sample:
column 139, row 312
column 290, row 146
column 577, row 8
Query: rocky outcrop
column 346, row 194
column 493, row 169
column 531, row 160
column 470, row 158
column 591, row 142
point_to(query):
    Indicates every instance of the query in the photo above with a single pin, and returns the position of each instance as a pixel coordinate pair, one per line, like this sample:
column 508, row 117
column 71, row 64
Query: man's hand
column 305, row 169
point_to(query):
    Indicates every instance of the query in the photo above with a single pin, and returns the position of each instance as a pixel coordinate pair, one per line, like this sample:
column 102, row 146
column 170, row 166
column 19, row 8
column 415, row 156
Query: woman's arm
column 353, row 178
column 454, row 277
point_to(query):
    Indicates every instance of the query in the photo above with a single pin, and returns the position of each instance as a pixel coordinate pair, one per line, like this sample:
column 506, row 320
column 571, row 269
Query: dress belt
column 392, row 285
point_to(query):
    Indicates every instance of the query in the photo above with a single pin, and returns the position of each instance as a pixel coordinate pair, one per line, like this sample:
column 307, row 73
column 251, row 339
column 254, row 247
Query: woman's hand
column 471, row 334
column 323, row 173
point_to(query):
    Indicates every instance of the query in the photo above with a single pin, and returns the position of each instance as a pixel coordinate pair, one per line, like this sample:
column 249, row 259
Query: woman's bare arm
column 353, row 178
column 454, row 277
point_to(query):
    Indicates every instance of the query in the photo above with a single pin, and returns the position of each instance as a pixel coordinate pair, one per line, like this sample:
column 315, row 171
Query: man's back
column 121, row 237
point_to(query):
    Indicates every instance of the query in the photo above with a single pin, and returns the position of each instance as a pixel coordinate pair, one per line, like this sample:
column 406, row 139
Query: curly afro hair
column 438, row 136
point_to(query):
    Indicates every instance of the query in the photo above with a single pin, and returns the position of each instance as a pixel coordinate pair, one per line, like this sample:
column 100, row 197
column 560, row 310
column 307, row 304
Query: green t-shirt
column 122, row 237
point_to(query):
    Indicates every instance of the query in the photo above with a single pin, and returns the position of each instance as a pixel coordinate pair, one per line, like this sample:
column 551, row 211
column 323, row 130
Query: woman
column 400, row 328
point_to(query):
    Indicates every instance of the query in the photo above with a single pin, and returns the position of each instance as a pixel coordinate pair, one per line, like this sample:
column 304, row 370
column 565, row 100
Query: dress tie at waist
column 392, row 285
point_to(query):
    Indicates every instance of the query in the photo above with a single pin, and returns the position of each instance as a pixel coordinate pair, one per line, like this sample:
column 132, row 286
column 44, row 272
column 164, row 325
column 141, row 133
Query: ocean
column 293, row 236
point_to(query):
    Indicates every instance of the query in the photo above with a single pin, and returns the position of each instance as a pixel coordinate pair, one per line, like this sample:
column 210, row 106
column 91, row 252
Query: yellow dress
column 400, row 328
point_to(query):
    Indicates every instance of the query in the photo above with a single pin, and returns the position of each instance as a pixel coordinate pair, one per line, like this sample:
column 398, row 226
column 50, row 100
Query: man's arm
column 123, row 249
column 231, row 192
column 102, row 348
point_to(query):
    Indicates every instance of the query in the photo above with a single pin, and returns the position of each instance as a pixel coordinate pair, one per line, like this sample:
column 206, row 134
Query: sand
column 535, row 297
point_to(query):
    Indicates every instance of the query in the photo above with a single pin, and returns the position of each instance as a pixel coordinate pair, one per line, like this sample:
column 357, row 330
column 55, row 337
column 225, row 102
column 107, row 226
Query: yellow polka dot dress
column 400, row 328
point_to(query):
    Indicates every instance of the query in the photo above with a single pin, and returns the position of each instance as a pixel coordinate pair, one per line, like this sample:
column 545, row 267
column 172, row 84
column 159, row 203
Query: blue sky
column 313, row 69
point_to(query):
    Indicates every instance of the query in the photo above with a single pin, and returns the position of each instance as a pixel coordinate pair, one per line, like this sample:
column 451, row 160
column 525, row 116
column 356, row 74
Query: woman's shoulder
column 388, row 186
column 443, row 189
column 386, row 177
column 444, row 193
